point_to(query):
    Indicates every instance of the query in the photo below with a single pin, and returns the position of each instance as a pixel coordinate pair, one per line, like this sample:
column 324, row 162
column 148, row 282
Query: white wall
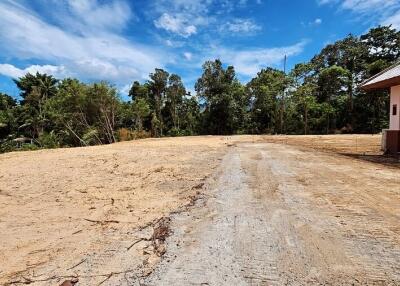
column 395, row 99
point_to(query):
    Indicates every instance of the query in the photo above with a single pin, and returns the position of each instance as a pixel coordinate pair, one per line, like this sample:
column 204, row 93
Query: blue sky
column 123, row 40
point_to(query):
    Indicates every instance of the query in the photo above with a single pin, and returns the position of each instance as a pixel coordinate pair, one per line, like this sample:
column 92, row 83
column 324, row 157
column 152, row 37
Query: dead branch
column 102, row 221
column 108, row 277
column 30, row 281
column 79, row 263
column 137, row 241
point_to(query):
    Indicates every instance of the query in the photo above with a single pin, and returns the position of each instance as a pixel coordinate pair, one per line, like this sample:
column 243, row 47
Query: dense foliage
column 317, row 97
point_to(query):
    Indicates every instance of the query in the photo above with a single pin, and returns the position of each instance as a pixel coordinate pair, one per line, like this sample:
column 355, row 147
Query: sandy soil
column 283, row 216
column 59, row 208
column 343, row 144
column 269, row 213
column 362, row 147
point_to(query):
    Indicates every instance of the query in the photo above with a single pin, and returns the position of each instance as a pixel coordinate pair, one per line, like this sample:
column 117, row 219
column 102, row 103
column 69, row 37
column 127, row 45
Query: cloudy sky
column 123, row 40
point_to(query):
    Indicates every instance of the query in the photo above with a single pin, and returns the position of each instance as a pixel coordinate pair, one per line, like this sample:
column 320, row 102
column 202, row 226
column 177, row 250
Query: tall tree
column 383, row 43
column 331, row 81
column 266, row 91
column 69, row 113
column 35, row 91
column 223, row 98
column 158, row 86
column 139, row 91
column 175, row 93
column 7, row 119
column 141, row 110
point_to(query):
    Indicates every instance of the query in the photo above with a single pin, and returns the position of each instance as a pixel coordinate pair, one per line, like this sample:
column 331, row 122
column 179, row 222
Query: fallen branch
column 78, row 231
column 79, row 263
column 151, row 223
column 108, row 277
column 102, row 221
column 30, row 281
column 137, row 241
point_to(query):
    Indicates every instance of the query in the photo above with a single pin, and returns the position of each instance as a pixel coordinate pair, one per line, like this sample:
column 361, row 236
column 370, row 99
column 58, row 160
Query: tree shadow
column 386, row 160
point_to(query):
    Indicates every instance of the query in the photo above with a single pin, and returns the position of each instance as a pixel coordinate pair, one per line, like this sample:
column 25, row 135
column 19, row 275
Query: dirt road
column 264, row 213
column 282, row 216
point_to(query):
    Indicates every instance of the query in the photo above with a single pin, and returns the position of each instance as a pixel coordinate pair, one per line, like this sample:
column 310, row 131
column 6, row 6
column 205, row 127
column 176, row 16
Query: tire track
column 281, row 216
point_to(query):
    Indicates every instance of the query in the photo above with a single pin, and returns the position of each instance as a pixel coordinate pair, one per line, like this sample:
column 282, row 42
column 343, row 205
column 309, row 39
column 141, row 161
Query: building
column 389, row 79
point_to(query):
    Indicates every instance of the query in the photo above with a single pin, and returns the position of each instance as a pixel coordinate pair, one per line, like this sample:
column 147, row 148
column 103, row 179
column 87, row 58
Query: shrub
column 91, row 136
column 49, row 140
column 124, row 134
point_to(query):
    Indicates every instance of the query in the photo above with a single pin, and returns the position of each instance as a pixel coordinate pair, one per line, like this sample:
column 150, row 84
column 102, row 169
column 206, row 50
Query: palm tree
column 35, row 90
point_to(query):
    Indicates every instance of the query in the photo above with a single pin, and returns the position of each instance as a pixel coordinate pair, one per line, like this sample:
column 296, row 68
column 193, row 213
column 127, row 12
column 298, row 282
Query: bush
column 91, row 136
column 28, row 147
column 7, row 146
column 49, row 140
column 174, row 132
column 124, row 134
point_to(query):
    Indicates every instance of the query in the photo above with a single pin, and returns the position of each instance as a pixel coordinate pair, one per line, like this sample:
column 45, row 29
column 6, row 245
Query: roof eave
column 381, row 84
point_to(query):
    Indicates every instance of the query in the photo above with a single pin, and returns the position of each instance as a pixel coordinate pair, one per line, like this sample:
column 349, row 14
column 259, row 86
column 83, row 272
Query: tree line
column 317, row 97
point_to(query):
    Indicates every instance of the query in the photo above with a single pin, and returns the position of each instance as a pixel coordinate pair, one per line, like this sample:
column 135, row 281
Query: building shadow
column 386, row 160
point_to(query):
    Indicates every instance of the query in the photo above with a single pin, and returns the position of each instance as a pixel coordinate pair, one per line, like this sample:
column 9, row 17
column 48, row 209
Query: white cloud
column 190, row 6
column 323, row 2
column 393, row 20
column 182, row 17
column 110, row 15
column 248, row 62
column 242, row 26
column 188, row 56
column 368, row 5
column 14, row 72
column 188, row 17
column 97, row 52
column 125, row 89
column 318, row 21
column 175, row 24
column 11, row 71
column 385, row 12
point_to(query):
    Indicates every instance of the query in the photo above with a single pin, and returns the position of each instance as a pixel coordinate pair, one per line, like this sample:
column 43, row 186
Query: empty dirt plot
column 77, row 212
column 238, row 211
column 342, row 144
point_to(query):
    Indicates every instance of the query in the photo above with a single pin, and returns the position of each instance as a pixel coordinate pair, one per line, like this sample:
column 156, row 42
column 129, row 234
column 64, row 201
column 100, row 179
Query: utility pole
column 283, row 97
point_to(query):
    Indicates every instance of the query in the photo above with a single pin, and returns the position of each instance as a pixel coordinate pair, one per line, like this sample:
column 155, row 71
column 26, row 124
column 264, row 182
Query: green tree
column 139, row 91
column 175, row 94
column 306, row 102
column 266, row 92
column 189, row 116
column 141, row 110
column 223, row 97
column 103, row 104
column 69, row 114
column 158, row 86
column 382, row 43
column 7, row 119
column 331, row 83
column 35, row 91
